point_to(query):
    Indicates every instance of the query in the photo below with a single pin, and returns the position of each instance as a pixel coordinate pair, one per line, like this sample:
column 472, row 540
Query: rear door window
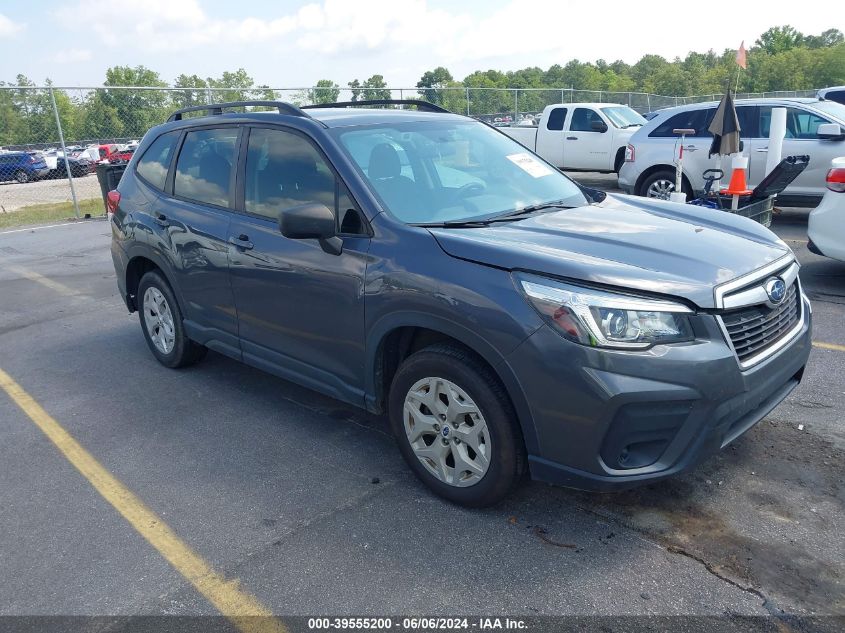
column 155, row 162
column 204, row 166
column 556, row 119
column 698, row 120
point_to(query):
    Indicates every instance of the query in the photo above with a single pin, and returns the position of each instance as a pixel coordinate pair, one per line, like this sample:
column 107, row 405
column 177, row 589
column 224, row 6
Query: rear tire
column 467, row 447
column 660, row 184
column 21, row 176
column 161, row 322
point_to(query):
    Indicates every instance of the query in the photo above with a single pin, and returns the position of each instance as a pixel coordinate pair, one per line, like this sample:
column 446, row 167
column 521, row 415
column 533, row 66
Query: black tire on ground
column 185, row 352
column 21, row 176
column 477, row 380
column 664, row 175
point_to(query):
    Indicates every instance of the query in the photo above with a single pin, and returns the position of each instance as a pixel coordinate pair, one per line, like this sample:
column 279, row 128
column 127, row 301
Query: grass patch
column 46, row 213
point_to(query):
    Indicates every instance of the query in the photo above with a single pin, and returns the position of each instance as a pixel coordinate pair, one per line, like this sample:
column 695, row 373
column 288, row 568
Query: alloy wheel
column 159, row 320
column 447, row 432
column 661, row 189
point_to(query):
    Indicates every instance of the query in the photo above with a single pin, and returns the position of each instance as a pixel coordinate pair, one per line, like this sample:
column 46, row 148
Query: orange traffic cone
column 738, row 185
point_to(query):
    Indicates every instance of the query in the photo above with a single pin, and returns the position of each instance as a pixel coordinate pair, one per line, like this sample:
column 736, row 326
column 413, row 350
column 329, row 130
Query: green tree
column 779, row 39
column 194, row 91
column 138, row 110
column 432, row 83
column 324, row 91
column 375, row 88
column 355, row 87
column 231, row 86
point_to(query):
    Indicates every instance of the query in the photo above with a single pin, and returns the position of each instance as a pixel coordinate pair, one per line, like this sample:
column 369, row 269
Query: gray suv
column 422, row 264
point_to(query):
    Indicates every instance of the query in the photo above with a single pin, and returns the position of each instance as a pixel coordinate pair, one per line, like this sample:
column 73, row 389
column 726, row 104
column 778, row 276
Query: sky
column 286, row 43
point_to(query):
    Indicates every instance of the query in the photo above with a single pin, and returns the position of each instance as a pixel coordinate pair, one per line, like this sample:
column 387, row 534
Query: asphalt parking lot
column 304, row 505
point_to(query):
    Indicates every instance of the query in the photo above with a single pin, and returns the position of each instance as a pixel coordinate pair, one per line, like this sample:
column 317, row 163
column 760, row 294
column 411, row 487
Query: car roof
column 330, row 117
column 737, row 102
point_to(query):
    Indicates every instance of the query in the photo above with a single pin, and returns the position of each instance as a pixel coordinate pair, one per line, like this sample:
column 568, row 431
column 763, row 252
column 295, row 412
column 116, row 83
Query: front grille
column 754, row 329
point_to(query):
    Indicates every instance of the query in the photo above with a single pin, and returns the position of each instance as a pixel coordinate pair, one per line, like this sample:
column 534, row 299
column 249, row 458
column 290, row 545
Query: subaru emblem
column 776, row 289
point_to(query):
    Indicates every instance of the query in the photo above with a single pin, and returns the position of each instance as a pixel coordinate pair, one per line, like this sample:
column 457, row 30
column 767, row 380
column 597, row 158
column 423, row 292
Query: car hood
column 634, row 243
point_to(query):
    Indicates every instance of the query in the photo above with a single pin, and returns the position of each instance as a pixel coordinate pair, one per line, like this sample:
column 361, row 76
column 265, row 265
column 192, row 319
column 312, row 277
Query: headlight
column 607, row 319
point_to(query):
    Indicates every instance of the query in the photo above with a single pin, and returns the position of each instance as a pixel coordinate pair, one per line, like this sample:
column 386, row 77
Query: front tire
column 455, row 426
column 161, row 322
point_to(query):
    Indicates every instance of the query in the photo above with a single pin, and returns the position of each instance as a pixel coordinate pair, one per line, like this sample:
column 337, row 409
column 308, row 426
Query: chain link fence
column 51, row 138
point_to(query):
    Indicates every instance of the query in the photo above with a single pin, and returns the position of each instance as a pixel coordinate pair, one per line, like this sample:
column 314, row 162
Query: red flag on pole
column 741, row 59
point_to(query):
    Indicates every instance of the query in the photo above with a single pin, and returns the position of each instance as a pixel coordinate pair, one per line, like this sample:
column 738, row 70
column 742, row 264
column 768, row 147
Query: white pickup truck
column 580, row 136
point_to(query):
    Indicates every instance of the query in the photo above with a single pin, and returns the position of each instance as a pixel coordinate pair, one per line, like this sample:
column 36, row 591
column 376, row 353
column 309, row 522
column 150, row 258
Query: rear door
column 550, row 144
column 194, row 228
column 587, row 148
column 300, row 308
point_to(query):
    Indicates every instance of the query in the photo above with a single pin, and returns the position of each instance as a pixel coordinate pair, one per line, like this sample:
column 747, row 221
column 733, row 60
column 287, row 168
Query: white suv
column 649, row 168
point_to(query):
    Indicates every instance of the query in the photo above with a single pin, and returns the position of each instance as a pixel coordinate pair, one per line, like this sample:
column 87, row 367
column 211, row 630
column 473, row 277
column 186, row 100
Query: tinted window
column 284, row 170
column 582, row 120
column 204, row 166
column 836, row 95
column 800, row 124
column 156, row 160
column 697, row 120
column 747, row 116
column 556, row 119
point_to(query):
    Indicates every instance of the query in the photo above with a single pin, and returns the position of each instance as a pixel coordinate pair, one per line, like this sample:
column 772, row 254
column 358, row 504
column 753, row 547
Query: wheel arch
column 398, row 336
column 140, row 262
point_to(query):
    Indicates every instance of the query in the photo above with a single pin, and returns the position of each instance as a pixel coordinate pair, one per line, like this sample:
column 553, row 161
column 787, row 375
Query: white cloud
column 402, row 38
column 72, row 56
column 8, row 28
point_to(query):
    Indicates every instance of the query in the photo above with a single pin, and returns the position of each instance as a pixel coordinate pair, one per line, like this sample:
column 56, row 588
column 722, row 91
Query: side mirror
column 311, row 220
column 830, row 132
column 598, row 126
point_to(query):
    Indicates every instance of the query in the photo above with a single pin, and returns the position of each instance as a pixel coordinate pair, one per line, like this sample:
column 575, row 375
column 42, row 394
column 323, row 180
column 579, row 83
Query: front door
column 300, row 308
column 584, row 147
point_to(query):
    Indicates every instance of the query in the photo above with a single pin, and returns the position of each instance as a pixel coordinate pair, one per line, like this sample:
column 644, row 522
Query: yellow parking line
column 41, row 279
column 241, row 608
column 834, row 346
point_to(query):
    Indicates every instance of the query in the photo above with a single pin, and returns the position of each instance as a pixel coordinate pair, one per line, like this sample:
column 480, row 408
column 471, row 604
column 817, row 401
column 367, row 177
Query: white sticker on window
column 529, row 164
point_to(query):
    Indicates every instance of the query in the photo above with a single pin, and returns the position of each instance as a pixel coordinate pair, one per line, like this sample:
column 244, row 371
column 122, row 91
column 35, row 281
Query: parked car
column 22, row 167
column 826, row 226
column 122, row 155
column 836, row 93
column 815, row 128
column 79, row 166
column 518, row 320
column 581, row 136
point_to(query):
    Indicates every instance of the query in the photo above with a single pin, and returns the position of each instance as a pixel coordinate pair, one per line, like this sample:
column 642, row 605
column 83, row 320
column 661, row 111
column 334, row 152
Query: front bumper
column 605, row 420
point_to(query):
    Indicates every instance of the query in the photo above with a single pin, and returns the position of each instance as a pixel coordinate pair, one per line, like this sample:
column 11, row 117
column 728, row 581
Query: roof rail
column 217, row 108
column 421, row 105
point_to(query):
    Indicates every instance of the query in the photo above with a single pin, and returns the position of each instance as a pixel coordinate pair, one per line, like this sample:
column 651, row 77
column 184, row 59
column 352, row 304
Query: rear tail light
column 33, row 159
column 836, row 179
column 112, row 200
column 630, row 153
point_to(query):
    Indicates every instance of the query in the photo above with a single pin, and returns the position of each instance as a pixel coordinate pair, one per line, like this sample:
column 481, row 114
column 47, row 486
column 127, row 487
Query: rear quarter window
column 155, row 162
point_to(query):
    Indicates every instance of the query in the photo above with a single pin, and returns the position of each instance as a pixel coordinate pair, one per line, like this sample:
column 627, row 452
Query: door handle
column 571, row 138
column 690, row 148
column 242, row 242
column 762, row 149
column 161, row 220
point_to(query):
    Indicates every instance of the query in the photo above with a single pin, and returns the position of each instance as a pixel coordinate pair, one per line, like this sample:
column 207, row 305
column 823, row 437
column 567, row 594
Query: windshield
column 832, row 108
column 452, row 171
column 623, row 116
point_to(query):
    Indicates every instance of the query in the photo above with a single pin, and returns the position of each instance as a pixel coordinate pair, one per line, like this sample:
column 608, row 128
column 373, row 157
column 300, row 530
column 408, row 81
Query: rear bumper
column 121, row 261
column 613, row 420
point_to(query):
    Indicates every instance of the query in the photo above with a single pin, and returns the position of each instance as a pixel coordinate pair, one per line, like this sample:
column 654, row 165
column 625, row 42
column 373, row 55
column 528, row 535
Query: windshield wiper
column 632, row 125
column 510, row 216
